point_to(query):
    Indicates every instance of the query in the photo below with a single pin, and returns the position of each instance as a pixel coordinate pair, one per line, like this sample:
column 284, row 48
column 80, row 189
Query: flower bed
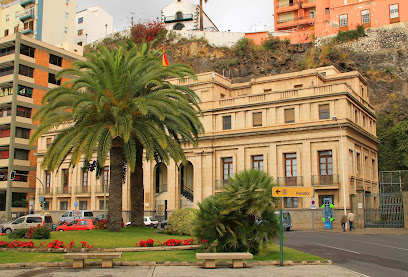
column 170, row 242
column 56, row 244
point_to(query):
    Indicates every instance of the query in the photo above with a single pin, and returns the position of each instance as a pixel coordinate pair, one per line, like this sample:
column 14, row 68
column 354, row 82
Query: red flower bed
column 170, row 242
column 17, row 244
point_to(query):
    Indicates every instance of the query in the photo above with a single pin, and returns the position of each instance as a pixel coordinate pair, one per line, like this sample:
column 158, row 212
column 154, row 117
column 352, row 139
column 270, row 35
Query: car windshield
column 19, row 220
column 286, row 216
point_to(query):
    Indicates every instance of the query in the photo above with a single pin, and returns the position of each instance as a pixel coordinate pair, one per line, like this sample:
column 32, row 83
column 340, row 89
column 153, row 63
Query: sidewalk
column 361, row 231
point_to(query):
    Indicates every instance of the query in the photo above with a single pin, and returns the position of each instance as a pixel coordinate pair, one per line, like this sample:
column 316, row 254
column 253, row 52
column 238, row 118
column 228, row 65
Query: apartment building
column 280, row 124
column 184, row 15
column 27, row 71
column 50, row 21
column 92, row 24
column 303, row 19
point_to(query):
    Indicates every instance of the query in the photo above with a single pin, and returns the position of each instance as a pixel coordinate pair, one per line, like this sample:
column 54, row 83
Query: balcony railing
column 62, row 190
column 44, row 191
column 295, row 19
column 83, row 189
column 99, row 189
column 290, row 181
column 176, row 18
column 325, row 180
column 27, row 14
column 27, row 2
column 287, row 5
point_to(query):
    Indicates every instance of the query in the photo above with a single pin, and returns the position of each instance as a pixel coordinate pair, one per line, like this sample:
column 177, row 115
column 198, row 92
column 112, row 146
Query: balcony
column 45, row 191
column 326, row 181
column 100, row 189
column 295, row 22
column 27, row 2
column 288, row 7
column 62, row 190
column 179, row 17
column 308, row 4
column 290, row 181
column 27, row 15
column 28, row 32
column 82, row 190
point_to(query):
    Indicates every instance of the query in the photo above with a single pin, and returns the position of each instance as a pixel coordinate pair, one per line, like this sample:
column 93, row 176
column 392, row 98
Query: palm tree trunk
column 137, row 190
column 115, row 186
column 201, row 15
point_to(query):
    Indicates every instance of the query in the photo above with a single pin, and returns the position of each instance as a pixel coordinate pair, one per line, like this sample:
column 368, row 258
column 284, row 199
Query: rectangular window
column 365, row 17
column 65, row 180
column 16, row 28
column 298, row 86
column 356, row 116
column 289, row 115
column 227, row 169
column 26, row 71
column 258, row 162
column 80, row 32
column 291, row 202
column 6, row 33
column 84, row 177
column 326, row 162
column 327, row 10
column 358, row 162
column 22, row 133
column 29, row 25
column 20, row 154
column 324, row 111
column 374, row 170
column 83, row 205
column 47, row 179
column 7, row 51
column 226, row 122
column 106, row 177
column 343, row 20
column 49, row 142
column 63, row 205
column 24, row 112
column 52, row 80
column 290, row 169
column 101, row 207
column 394, row 12
column 55, row 60
column 80, row 20
column 27, row 50
column 257, row 119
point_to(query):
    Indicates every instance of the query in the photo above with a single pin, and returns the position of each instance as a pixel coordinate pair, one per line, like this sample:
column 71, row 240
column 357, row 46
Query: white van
column 286, row 220
column 27, row 221
column 68, row 216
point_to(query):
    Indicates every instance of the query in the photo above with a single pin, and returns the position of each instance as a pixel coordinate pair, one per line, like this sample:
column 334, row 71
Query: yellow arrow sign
column 292, row 192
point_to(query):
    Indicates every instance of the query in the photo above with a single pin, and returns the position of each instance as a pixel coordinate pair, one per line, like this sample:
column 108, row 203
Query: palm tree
column 107, row 111
column 201, row 14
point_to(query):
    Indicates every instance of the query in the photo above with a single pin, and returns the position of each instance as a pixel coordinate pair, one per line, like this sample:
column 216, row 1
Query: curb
column 125, row 263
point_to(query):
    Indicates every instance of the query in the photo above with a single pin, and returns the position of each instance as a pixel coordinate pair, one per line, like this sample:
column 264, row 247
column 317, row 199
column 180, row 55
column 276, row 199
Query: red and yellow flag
column 165, row 61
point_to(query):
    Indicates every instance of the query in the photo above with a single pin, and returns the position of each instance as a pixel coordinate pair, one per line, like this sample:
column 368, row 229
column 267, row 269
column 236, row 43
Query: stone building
column 281, row 124
column 27, row 71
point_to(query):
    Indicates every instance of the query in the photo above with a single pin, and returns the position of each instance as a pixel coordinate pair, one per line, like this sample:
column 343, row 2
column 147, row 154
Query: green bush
column 242, row 45
column 22, row 203
column 181, row 221
column 271, row 43
column 240, row 218
column 41, row 233
column 18, row 234
column 351, row 35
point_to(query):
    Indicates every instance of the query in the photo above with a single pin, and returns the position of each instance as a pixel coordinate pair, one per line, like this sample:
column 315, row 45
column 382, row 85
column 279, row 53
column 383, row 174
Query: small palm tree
column 107, row 110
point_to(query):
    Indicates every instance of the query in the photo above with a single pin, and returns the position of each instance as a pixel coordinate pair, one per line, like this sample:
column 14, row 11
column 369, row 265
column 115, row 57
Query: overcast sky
column 233, row 15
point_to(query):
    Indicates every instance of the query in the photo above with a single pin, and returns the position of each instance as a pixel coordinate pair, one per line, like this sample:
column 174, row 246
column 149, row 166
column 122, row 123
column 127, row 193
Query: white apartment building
column 92, row 24
column 50, row 21
column 184, row 15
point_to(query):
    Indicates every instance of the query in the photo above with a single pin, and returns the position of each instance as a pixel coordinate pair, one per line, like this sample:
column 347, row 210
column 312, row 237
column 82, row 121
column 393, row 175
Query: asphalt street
column 369, row 254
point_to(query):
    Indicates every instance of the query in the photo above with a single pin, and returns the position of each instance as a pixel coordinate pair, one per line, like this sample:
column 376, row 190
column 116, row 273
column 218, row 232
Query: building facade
column 280, row 124
column 305, row 19
column 92, row 24
column 184, row 15
column 50, row 21
column 28, row 69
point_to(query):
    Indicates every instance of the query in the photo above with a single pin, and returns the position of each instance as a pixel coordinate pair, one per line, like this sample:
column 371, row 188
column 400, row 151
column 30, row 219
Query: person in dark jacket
column 343, row 221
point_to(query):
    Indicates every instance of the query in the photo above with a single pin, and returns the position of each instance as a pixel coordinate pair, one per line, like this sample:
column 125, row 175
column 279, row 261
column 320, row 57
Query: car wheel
column 288, row 228
column 60, row 230
column 8, row 231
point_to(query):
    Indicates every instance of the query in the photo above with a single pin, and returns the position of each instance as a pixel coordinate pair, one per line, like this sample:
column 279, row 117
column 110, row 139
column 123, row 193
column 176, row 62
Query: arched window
column 178, row 26
column 179, row 15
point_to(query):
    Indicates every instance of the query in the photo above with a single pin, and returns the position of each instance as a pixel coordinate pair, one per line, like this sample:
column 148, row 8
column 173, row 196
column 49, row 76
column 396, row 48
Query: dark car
column 163, row 225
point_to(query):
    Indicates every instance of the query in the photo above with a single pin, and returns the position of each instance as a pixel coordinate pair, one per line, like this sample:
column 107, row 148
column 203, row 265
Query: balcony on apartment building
column 44, row 191
column 62, row 190
column 101, row 189
column 25, row 3
column 295, row 21
column 82, row 190
column 27, row 14
column 290, row 181
column 326, row 181
column 287, row 7
column 308, row 4
column 178, row 17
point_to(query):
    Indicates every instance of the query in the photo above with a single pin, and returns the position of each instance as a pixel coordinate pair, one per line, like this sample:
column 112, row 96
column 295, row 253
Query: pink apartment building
column 304, row 19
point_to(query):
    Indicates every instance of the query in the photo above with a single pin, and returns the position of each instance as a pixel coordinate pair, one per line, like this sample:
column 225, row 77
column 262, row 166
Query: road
column 372, row 255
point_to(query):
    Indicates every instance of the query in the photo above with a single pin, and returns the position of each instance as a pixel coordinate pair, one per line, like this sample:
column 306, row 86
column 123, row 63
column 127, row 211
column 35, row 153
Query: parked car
column 27, row 221
column 286, row 220
column 148, row 221
column 69, row 216
column 100, row 217
column 163, row 225
column 77, row 225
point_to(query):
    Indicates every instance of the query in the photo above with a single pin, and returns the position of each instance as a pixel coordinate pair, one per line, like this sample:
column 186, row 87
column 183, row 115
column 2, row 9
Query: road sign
column 41, row 198
column 292, row 192
column 75, row 204
column 313, row 204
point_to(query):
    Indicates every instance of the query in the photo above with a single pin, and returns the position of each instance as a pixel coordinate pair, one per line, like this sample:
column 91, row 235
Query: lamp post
column 342, row 165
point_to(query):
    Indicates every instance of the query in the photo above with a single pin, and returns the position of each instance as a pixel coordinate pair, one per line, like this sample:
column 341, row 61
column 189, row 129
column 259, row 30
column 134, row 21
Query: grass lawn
column 126, row 238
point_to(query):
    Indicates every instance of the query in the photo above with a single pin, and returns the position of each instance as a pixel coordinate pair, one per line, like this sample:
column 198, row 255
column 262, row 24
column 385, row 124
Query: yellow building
column 282, row 124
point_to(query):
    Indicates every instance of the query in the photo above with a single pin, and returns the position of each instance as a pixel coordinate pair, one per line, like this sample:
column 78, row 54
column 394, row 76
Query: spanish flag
column 165, row 61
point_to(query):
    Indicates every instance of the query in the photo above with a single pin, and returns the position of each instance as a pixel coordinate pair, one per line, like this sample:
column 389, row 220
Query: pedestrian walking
column 343, row 221
column 350, row 219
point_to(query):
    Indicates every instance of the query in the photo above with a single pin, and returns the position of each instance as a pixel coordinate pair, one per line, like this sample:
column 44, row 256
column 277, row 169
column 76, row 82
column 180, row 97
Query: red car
column 77, row 225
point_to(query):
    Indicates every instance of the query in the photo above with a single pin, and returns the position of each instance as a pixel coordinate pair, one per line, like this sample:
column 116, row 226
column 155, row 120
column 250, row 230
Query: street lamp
column 342, row 165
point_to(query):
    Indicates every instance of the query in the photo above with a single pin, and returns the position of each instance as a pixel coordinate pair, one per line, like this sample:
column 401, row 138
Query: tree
column 241, row 218
column 106, row 109
column 201, row 15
